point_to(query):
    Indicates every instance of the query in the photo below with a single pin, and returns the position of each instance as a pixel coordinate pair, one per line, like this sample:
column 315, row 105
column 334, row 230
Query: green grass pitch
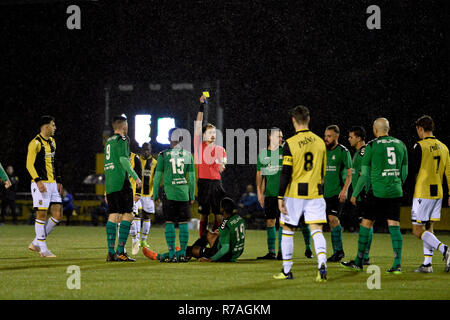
column 24, row 275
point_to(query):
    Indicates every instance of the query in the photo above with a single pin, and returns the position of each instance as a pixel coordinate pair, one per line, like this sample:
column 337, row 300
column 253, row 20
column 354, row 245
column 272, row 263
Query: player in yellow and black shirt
column 430, row 162
column 301, row 191
column 46, row 184
column 135, row 229
column 148, row 164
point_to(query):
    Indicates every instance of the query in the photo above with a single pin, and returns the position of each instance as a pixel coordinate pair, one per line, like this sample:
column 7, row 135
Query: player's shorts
column 210, row 194
column 121, row 201
column 43, row 200
column 334, row 206
column 382, row 208
column 314, row 211
column 147, row 204
column 176, row 211
column 271, row 210
column 424, row 210
column 136, row 206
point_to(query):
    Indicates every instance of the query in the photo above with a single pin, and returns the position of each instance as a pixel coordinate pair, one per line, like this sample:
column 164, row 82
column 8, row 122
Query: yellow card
column 206, row 94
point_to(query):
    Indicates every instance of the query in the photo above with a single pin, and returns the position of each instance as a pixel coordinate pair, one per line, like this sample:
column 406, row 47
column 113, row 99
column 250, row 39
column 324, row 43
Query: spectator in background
column 67, row 206
column 9, row 195
column 100, row 211
column 249, row 206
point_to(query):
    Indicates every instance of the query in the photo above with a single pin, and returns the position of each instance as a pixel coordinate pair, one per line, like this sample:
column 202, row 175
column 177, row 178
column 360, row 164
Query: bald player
column 384, row 169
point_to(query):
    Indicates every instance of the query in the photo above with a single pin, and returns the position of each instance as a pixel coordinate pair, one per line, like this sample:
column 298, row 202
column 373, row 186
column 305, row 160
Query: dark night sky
column 268, row 55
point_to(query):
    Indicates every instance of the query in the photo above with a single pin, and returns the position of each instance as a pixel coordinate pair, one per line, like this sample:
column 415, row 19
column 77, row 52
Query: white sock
column 287, row 249
column 41, row 236
column 51, row 224
column 431, row 240
column 427, row 253
column 133, row 231
column 320, row 246
column 146, row 228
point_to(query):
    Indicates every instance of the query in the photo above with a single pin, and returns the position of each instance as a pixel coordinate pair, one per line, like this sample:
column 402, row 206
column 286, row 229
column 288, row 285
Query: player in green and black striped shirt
column 384, row 168
column 176, row 168
column 4, row 177
column 119, row 193
column 356, row 138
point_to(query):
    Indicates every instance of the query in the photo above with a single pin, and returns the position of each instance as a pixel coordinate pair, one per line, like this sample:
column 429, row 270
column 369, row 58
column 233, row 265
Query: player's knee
column 333, row 221
column 418, row 231
column 271, row 223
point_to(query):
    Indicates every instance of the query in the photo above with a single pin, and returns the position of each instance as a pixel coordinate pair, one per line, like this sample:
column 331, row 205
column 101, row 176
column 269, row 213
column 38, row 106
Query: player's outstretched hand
column 282, row 206
column 136, row 198
column 203, row 259
column 343, row 196
column 353, row 201
column 202, row 99
column 7, row 184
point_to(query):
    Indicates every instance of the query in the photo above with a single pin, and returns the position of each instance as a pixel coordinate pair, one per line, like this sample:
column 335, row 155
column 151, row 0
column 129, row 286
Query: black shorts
column 176, row 211
column 382, row 208
column 271, row 210
column 210, row 194
column 121, row 201
column 334, row 206
column 210, row 252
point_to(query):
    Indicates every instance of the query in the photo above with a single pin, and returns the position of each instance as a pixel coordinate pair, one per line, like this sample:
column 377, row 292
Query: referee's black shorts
column 121, row 201
column 210, row 194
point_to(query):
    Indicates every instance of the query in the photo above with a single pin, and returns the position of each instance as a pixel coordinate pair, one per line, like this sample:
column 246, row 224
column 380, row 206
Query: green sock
column 271, row 239
column 111, row 230
column 336, row 238
column 306, row 236
column 170, row 238
column 369, row 242
column 184, row 237
column 397, row 243
column 124, row 231
column 280, row 234
column 166, row 255
column 363, row 239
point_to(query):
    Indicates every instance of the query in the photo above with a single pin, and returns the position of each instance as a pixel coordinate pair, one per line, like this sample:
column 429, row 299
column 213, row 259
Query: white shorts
column 424, row 210
column 43, row 200
column 313, row 209
column 145, row 203
column 137, row 206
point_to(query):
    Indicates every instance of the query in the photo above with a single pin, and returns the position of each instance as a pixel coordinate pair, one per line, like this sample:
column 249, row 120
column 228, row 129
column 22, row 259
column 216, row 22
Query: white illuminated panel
column 142, row 128
column 164, row 125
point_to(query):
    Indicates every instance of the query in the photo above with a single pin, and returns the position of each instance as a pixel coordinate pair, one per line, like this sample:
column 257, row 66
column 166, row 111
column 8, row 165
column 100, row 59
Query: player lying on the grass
column 226, row 245
column 384, row 168
column 430, row 161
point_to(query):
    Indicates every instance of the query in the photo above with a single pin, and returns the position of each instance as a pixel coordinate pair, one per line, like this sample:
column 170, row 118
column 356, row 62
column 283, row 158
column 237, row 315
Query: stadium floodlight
column 142, row 128
column 164, row 125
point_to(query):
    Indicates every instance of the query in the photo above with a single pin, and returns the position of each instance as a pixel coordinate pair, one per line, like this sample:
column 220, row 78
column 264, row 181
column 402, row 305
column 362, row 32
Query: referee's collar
column 303, row 130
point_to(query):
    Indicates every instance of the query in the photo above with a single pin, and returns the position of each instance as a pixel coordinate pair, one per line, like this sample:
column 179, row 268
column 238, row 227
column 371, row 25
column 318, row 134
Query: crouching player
column 225, row 246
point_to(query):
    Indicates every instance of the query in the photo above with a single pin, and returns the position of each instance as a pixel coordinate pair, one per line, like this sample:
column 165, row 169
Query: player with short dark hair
column 301, row 191
column 356, row 138
column 176, row 168
column 429, row 163
column 384, row 168
column 46, row 185
column 119, row 193
column 337, row 182
column 210, row 160
column 268, row 171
